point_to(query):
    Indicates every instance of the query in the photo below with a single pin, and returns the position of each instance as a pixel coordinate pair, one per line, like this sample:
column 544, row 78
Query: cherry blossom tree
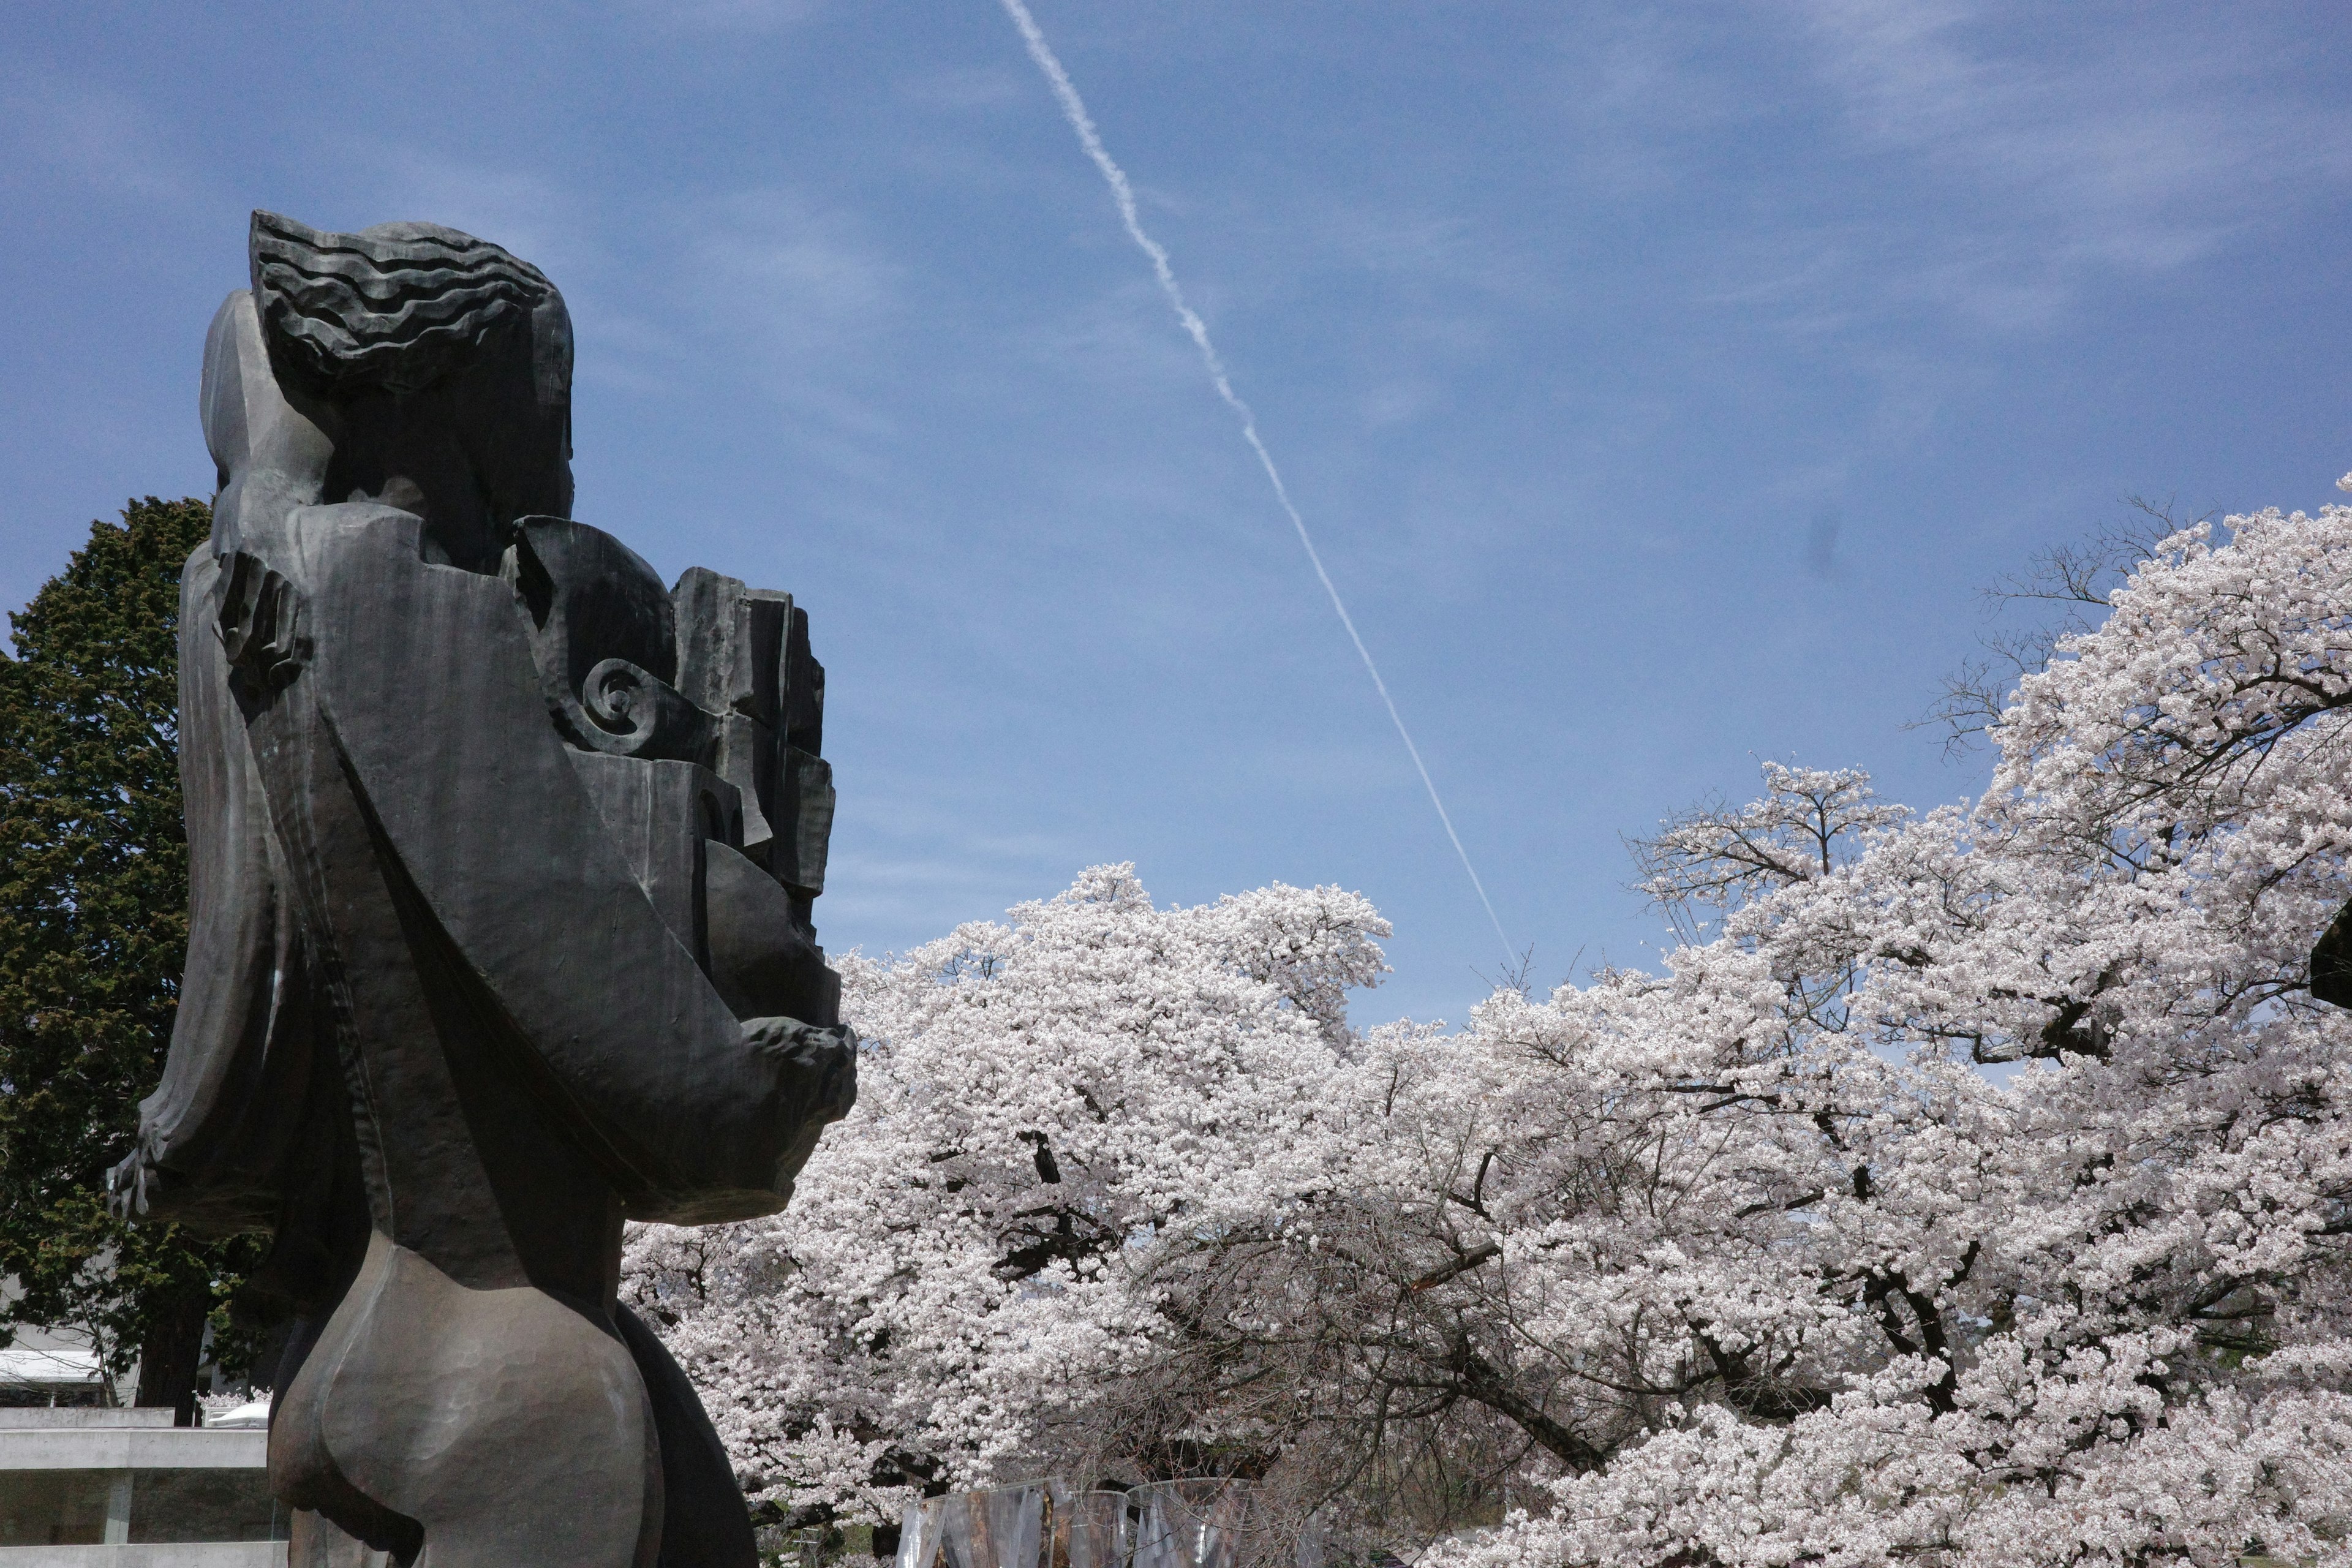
column 1038, row 1101
column 1970, row 1187
column 1862, row 1301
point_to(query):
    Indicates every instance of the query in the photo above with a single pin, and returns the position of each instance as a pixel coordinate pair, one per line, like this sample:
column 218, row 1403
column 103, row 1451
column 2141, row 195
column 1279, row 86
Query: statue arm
column 214, row 1134
column 425, row 679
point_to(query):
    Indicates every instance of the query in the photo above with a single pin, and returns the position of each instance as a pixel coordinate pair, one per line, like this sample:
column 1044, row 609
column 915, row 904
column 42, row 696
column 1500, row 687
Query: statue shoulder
column 266, row 590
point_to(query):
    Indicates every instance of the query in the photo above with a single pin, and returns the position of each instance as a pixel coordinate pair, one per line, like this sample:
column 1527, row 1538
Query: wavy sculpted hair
column 401, row 306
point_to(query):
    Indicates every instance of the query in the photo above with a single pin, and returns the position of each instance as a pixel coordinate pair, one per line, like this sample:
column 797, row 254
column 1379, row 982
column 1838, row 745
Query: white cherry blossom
column 1970, row 1187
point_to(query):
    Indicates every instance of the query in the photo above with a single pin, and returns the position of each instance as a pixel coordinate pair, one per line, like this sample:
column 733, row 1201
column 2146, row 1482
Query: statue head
column 434, row 370
column 401, row 306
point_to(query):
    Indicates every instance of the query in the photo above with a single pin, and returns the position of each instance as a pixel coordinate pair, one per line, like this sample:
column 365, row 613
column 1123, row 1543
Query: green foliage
column 93, row 927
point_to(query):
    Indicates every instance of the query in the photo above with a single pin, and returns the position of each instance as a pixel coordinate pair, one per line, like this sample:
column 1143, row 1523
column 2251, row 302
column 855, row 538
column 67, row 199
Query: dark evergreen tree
column 93, row 924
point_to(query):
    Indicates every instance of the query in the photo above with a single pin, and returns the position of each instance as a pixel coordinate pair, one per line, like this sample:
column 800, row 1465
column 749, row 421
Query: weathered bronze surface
column 502, row 859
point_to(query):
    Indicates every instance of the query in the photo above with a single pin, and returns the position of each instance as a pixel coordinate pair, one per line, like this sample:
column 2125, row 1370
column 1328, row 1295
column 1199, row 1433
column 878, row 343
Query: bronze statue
column 501, row 860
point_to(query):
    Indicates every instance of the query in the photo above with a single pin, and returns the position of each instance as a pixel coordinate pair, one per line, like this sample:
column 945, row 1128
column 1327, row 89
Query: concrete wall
column 195, row 1554
column 117, row 1480
column 111, row 1447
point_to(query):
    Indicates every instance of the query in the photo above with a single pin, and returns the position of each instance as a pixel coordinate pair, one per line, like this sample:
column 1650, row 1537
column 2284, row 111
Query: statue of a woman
column 502, row 858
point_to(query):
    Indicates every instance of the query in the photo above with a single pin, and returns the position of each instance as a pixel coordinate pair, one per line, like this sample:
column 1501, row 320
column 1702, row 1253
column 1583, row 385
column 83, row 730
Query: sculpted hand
column 823, row 1059
column 127, row 1184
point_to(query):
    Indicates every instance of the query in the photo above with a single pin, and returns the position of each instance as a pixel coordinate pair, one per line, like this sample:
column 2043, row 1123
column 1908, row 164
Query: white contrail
column 1074, row 109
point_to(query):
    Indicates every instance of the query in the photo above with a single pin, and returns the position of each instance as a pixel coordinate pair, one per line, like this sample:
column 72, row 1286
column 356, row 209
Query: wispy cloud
column 955, row 87
column 725, row 17
column 2061, row 146
column 797, row 274
column 102, row 141
column 905, row 864
column 795, row 299
column 1983, row 164
column 530, row 214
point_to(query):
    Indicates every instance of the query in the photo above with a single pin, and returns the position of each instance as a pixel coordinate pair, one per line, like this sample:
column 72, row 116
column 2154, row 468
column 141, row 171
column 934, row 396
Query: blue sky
column 1661, row 383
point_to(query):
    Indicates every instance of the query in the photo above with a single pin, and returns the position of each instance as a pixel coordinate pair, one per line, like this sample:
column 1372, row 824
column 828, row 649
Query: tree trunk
column 168, row 1355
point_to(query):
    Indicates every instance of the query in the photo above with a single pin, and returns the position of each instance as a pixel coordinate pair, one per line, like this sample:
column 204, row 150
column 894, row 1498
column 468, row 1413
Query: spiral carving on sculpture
column 620, row 697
